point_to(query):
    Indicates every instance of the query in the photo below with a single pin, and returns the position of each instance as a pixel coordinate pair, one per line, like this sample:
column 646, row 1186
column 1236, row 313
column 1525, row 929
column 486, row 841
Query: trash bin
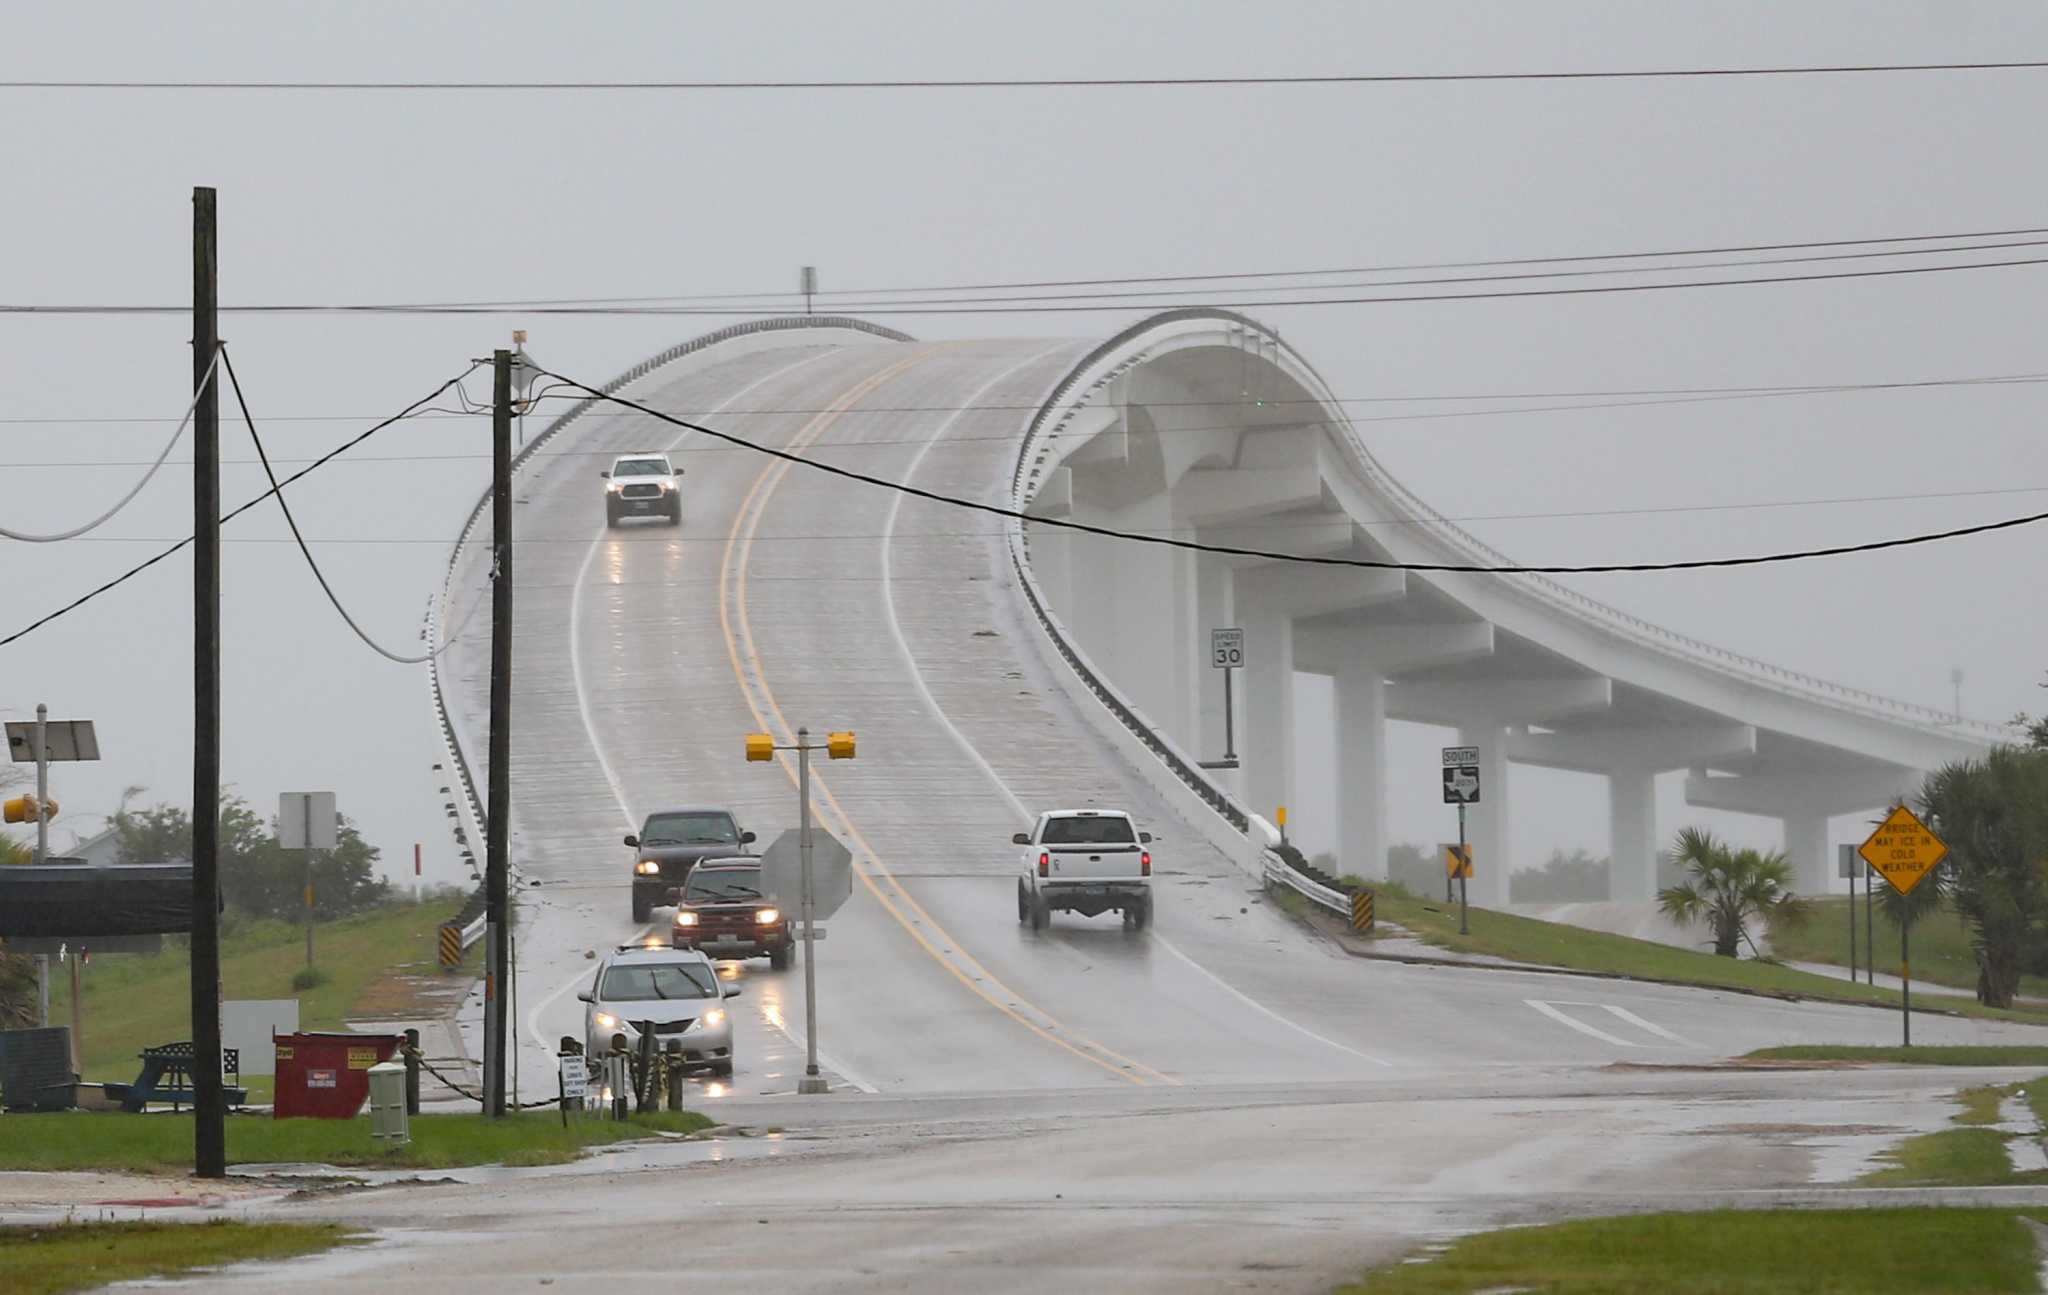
column 387, row 1104
column 327, row 1076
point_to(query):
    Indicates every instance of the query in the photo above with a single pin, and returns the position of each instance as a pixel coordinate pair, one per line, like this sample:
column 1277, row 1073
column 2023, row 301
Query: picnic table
column 167, row 1077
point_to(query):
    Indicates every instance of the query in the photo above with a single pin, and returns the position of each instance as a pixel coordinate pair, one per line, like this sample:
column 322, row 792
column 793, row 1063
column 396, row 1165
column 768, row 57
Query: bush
column 306, row 978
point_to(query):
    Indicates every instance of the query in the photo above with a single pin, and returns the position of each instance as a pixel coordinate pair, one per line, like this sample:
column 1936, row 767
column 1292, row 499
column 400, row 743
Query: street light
column 761, row 747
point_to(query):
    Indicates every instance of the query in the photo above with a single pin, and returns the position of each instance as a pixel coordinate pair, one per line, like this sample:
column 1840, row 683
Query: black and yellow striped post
column 451, row 944
column 1361, row 911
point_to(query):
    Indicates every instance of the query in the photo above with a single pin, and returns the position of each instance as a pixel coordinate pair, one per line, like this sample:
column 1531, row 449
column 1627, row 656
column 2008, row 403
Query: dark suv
column 670, row 843
column 726, row 911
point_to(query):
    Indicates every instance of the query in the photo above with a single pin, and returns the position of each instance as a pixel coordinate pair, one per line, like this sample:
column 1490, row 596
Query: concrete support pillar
column 1806, row 845
column 1362, row 772
column 1267, row 707
column 1632, row 834
column 1486, row 824
column 1213, row 610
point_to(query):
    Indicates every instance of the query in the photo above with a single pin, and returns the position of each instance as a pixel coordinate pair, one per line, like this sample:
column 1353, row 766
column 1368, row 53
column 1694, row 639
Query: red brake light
column 1145, row 864
column 1044, row 865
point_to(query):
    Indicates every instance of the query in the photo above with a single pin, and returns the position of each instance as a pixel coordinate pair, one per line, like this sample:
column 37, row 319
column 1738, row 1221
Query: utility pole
column 498, row 820
column 209, row 1125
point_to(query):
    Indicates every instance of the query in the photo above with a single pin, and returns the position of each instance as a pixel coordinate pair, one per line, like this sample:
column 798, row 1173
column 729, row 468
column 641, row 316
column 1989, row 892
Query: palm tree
column 1726, row 888
column 1993, row 813
column 17, row 971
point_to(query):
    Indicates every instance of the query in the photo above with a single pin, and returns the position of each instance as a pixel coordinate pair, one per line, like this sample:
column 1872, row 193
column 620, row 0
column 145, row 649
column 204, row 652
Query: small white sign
column 1226, row 649
column 1457, row 756
column 575, row 1078
column 300, row 813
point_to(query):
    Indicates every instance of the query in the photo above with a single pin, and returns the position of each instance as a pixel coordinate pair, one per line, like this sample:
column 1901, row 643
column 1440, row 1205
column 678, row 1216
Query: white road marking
column 973, row 754
column 1650, row 1026
column 1563, row 1018
column 611, row 775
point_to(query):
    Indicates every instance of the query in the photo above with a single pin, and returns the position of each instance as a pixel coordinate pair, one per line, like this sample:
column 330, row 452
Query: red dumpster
column 327, row 1076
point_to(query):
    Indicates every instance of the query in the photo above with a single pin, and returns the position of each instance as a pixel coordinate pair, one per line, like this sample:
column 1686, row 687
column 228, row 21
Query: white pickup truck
column 1085, row 861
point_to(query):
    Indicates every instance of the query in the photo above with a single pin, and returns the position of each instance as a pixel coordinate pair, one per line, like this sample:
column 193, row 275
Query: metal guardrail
column 1554, row 595
column 467, row 788
column 1278, row 872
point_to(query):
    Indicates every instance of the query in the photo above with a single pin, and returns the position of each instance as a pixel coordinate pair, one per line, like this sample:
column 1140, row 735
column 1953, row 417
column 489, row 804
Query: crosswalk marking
column 1552, row 1008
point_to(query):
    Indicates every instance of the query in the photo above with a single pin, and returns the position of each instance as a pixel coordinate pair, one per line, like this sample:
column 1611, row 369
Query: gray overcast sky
column 350, row 197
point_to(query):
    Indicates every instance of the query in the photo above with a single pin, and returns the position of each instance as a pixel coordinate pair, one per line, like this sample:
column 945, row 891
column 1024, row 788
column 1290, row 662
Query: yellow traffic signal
column 760, row 746
column 22, row 809
column 839, row 746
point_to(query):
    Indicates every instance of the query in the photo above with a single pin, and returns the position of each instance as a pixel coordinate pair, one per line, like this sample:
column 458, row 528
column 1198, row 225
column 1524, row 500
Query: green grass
column 1941, row 945
column 1735, row 1252
column 134, row 1001
column 146, row 1143
column 1526, row 939
column 1951, row 1158
column 59, row 1257
column 1966, row 1054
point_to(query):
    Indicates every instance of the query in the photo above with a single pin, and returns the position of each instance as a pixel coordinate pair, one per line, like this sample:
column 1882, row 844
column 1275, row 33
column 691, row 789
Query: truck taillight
column 1145, row 864
column 1044, row 865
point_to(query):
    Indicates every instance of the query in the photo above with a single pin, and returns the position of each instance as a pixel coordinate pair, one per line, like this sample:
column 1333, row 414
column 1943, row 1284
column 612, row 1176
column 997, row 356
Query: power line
column 146, row 564
column 888, row 300
column 1650, row 510
column 1800, row 389
column 277, row 491
column 1062, row 523
column 136, row 489
column 1129, row 280
column 1045, row 83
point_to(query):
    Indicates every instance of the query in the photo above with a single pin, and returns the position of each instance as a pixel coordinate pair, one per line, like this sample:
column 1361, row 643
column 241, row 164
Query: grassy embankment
column 70, row 1140
column 1970, row 1155
column 55, row 1258
column 1554, row 944
column 134, row 1001
column 1736, row 1252
column 1941, row 946
column 1951, row 1054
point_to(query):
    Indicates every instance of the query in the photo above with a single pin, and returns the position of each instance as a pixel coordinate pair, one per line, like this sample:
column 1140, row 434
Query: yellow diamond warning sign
column 1903, row 850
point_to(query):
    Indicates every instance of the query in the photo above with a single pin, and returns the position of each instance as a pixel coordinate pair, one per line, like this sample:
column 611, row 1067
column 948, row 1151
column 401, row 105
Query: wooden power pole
column 498, row 824
column 209, row 1152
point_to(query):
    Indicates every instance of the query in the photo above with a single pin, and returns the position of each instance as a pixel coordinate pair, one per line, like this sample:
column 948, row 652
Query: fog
column 334, row 197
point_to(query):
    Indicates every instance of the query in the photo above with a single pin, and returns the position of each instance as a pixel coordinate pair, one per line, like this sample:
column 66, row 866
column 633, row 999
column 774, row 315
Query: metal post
column 1905, row 976
column 1464, row 927
column 812, row 1082
column 309, row 880
column 42, row 782
column 498, row 822
column 1853, row 955
column 411, row 1052
column 209, row 1125
column 1229, row 720
column 1870, row 925
column 43, row 848
column 77, row 1018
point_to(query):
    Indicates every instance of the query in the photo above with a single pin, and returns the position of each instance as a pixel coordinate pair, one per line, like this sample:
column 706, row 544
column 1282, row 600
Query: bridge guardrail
column 1550, row 592
column 468, row 789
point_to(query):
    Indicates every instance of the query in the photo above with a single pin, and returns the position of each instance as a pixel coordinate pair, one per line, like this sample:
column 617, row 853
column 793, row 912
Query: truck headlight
column 716, row 1016
column 768, row 916
column 686, row 918
column 606, row 1021
column 647, row 867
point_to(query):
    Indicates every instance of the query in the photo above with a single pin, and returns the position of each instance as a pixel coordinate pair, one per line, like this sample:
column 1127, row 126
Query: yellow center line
column 746, row 661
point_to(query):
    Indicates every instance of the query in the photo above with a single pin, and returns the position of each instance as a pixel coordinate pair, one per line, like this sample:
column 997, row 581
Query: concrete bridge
column 1204, row 425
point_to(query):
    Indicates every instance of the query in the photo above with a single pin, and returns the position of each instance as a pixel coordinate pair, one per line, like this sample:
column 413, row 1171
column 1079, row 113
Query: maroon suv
column 725, row 910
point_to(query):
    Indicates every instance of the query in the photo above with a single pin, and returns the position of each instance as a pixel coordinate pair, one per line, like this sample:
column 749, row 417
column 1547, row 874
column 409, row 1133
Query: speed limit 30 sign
column 1226, row 649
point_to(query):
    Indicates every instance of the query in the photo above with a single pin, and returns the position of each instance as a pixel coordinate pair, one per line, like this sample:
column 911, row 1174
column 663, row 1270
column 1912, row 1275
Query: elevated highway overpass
column 992, row 669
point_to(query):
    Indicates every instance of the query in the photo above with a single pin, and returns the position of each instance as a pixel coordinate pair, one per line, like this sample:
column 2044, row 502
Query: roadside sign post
column 305, row 821
column 41, row 742
column 1848, row 865
column 1904, row 852
column 1461, row 788
column 837, row 746
column 1226, row 653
